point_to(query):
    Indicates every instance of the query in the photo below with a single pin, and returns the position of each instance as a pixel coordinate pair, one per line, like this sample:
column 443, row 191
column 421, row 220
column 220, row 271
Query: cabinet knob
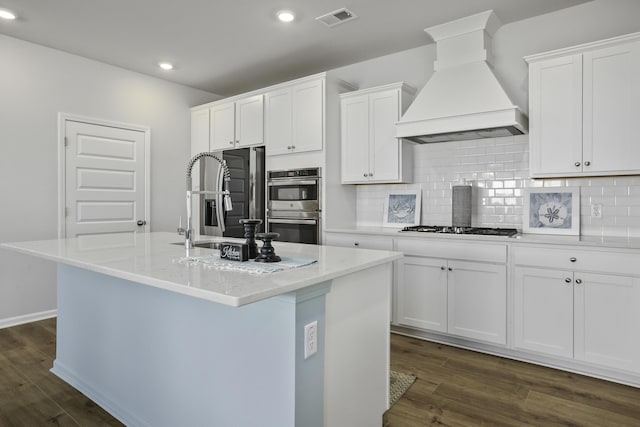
column 370, row 173
column 293, row 147
column 141, row 222
column 442, row 268
column 578, row 281
column 364, row 174
column 450, row 269
column 230, row 142
column 573, row 259
column 356, row 244
column 289, row 147
column 587, row 163
column 567, row 280
column 577, row 164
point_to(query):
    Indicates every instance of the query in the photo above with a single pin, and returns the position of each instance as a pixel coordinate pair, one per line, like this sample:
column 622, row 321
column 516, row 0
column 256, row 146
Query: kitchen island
column 158, row 340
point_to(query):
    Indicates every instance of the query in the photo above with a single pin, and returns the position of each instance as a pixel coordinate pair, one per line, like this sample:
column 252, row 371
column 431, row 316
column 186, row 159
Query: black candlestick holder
column 250, row 227
column 267, row 253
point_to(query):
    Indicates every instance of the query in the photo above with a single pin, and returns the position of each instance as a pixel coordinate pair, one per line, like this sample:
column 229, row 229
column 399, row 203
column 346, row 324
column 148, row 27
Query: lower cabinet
column 359, row 241
column 581, row 315
column 462, row 298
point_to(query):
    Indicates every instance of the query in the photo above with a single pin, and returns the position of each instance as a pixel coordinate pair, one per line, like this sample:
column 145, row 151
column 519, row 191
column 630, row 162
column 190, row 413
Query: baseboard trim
column 70, row 377
column 27, row 318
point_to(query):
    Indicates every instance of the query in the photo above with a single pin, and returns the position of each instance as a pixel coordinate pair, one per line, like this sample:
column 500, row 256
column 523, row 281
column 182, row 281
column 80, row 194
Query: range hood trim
column 463, row 95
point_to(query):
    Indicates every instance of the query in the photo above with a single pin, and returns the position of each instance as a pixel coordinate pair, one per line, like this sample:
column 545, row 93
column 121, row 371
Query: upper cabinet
column 237, row 124
column 370, row 151
column 583, row 102
column 294, row 117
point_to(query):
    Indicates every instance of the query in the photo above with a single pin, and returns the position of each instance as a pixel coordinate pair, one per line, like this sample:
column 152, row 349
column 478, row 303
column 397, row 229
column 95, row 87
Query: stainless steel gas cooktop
column 507, row 232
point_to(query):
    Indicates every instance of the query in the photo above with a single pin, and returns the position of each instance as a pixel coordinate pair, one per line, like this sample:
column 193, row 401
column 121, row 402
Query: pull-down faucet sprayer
column 222, row 191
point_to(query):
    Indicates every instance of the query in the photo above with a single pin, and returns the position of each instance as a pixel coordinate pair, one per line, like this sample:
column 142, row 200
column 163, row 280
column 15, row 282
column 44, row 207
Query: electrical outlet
column 310, row 339
column 596, row 210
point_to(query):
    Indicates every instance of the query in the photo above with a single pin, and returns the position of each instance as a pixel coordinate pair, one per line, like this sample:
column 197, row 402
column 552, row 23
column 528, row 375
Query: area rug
column 399, row 383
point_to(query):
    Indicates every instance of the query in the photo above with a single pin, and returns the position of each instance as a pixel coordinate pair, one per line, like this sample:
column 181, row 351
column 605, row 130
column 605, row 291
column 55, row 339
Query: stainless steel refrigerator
column 247, row 187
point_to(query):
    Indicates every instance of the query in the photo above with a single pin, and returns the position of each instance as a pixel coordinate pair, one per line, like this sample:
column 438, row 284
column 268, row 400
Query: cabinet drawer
column 359, row 241
column 596, row 260
column 453, row 250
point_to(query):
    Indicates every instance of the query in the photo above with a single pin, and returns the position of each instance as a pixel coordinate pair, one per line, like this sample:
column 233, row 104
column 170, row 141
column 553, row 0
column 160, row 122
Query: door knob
column 141, row 222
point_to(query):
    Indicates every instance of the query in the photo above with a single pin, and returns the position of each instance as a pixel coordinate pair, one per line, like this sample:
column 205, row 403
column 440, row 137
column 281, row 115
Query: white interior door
column 105, row 180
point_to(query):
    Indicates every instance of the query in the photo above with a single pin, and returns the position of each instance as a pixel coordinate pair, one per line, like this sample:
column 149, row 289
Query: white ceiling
column 232, row 46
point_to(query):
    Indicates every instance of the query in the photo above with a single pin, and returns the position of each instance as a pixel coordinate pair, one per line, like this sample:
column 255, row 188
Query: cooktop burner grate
column 486, row 231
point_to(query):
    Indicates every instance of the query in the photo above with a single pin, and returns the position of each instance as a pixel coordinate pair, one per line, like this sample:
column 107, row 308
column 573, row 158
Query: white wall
column 36, row 83
column 499, row 167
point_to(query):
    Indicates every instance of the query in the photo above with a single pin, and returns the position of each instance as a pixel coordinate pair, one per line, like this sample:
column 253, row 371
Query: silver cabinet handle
column 141, row 222
column 230, row 142
column 577, row 164
column 356, row 244
column 578, row 281
column 442, row 268
column 293, row 147
column 370, row 173
column 573, row 259
column 567, row 280
column 364, row 174
column 587, row 163
column 450, row 269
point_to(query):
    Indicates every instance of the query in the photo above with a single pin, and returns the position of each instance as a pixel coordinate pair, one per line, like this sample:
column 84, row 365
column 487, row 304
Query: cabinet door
column 478, row 301
column 422, row 293
column 607, row 320
column 249, row 121
column 611, row 108
column 222, row 126
column 543, row 311
column 278, row 121
column 308, row 116
column 384, row 153
column 555, row 116
column 355, row 139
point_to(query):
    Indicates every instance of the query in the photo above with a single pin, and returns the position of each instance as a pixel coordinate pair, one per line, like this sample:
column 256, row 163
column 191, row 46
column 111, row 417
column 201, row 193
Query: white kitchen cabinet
column 577, row 304
column 363, row 241
column 461, row 297
column 582, row 103
column 237, row 124
column 294, row 118
column 370, row 151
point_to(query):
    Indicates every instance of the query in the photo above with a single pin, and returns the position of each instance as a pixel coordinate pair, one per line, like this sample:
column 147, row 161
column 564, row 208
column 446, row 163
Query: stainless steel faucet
column 222, row 191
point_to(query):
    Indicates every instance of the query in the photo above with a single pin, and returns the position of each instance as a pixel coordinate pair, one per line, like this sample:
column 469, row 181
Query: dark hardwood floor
column 454, row 388
column 457, row 387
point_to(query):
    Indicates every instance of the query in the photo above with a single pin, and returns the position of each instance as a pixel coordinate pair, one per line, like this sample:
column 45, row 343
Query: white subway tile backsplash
column 498, row 169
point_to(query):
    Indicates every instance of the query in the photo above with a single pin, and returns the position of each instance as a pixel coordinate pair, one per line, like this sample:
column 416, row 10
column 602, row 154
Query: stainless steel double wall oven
column 293, row 204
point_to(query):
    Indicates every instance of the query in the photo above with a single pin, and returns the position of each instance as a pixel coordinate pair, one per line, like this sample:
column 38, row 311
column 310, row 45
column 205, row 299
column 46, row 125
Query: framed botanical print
column 402, row 208
column 552, row 210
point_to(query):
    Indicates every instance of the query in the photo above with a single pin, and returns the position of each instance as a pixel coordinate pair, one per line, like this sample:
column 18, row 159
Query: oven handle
column 293, row 221
column 292, row 182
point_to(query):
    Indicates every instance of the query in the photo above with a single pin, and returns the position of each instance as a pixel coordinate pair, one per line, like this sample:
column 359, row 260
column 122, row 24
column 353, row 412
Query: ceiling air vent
column 336, row 17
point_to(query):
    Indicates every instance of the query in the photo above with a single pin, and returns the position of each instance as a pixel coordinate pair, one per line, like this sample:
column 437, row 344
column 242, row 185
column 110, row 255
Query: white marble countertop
column 613, row 242
column 152, row 259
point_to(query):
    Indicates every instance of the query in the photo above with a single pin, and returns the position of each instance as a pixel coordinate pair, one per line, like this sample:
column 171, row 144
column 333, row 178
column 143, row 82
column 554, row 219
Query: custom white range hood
column 463, row 99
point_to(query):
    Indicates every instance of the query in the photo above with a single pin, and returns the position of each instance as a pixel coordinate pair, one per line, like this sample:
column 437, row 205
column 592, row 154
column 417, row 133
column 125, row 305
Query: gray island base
column 159, row 352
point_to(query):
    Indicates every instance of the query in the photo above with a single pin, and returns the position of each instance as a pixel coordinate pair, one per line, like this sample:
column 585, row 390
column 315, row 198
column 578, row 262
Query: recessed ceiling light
column 286, row 16
column 165, row 65
column 7, row 14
